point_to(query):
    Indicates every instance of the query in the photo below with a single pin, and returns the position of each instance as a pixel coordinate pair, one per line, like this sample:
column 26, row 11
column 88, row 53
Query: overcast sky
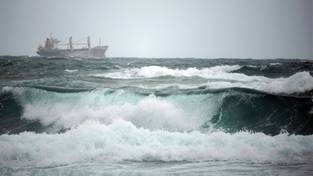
column 164, row 28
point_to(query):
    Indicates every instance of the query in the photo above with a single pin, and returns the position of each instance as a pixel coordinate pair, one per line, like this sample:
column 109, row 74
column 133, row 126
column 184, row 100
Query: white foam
column 218, row 77
column 173, row 113
column 93, row 141
column 275, row 63
column 176, row 112
column 157, row 71
column 70, row 71
column 252, row 66
column 297, row 83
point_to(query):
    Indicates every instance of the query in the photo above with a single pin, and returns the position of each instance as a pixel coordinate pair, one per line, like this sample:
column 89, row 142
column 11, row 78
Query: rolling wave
column 83, row 114
column 218, row 77
column 122, row 141
column 158, row 71
column 229, row 110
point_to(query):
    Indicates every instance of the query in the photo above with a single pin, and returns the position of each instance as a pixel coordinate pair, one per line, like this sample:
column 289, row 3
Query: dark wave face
column 231, row 110
column 267, row 113
column 185, row 113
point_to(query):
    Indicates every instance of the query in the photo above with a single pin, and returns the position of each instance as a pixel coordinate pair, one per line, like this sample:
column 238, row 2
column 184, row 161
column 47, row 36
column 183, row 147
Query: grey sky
column 164, row 28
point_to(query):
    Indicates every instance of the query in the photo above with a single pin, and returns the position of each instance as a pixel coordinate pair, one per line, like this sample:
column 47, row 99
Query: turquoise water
column 134, row 116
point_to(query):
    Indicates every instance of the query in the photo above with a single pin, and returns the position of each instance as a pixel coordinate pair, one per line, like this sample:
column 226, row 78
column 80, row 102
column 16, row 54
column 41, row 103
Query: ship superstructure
column 54, row 48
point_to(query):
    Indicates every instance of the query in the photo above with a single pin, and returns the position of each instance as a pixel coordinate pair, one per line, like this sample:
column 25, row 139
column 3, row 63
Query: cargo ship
column 54, row 48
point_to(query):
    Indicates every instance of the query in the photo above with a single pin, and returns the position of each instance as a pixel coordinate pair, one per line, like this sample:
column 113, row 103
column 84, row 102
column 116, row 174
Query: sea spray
column 229, row 109
column 135, row 116
column 123, row 141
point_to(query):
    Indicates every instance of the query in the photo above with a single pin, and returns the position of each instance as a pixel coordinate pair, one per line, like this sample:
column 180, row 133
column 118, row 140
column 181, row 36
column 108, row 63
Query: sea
column 155, row 116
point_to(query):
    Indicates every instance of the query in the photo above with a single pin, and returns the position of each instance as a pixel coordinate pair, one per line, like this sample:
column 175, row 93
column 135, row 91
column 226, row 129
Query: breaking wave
column 220, row 77
column 230, row 110
column 125, row 112
column 158, row 71
column 300, row 82
column 122, row 141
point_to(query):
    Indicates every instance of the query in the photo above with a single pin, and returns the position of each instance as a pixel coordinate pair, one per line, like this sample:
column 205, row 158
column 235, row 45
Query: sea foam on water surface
column 173, row 113
column 122, row 141
column 122, row 126
column 115, row 125
column 157, row 71
column 220, row 77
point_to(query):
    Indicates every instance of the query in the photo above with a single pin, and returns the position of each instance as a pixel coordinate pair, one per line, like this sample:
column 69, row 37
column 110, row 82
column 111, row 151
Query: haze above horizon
column 164, row 28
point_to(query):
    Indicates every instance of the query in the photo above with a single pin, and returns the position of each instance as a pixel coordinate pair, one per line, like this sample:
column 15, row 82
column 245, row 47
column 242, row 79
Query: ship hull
column 96, row 52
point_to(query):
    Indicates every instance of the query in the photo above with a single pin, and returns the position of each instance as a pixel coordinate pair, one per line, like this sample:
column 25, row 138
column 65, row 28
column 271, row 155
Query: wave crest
column 158, row 71
column 123, row 141
column 229, row 110
column 218, row 77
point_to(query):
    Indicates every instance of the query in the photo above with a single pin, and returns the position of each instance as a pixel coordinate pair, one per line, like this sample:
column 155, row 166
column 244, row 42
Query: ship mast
column 88, row 42
column 71, row 43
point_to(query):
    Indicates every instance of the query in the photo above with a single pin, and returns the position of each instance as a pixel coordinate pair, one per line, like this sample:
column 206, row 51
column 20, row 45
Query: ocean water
column 136, row 116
